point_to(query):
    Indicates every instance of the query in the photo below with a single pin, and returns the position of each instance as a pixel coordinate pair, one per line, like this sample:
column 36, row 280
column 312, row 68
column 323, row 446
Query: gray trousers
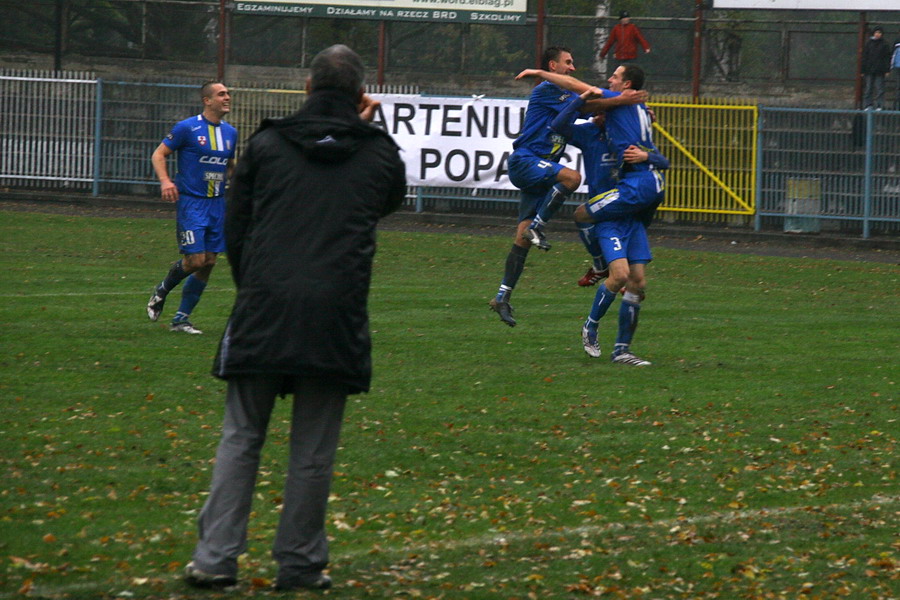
column 873, row 91
column 301, row 545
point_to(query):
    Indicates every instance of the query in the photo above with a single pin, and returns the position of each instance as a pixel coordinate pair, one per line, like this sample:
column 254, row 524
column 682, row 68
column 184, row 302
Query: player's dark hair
column 337, row 68
column 635, row 75
column 206, row 88
column 552, row 53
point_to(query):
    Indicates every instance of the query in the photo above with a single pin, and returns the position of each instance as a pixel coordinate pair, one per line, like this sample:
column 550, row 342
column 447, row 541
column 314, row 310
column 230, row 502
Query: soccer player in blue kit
column 205, row 145
column 640, row 187
column 534, row 168
column 623, row 242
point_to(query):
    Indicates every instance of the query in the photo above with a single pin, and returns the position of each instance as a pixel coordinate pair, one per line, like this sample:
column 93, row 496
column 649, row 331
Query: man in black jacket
column 306, row 197
column 876, row 64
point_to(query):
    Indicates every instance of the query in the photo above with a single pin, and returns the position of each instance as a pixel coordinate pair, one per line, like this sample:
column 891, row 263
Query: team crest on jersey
column 201, row 139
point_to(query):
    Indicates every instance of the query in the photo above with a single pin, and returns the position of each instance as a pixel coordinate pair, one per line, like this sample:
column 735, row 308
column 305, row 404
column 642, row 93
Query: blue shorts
column 638, row 193
column 623, row 239
column 534, row 176
column 200, row 224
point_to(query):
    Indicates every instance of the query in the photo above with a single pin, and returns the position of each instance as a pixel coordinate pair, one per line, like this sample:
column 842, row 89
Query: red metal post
column 222, row 34
column 857, row 90
column 381, row 36
column 698, row 49
column 58, row 36
column 539, row 35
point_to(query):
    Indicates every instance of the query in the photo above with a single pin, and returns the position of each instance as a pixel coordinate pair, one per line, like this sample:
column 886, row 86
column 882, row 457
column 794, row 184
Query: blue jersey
column 598, row 156
column 546, row 101
column 599, row 161
column 630, row 125
column 204, row 150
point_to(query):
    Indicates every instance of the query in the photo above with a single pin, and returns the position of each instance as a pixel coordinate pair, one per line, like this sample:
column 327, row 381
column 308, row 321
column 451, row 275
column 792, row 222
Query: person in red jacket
column 625, row 36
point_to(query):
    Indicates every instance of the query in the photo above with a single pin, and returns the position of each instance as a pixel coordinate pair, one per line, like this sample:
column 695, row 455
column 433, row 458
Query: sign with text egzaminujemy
column 488, row 12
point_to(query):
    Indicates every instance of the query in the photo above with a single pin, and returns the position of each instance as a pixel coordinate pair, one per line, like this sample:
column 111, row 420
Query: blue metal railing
column 817, row 168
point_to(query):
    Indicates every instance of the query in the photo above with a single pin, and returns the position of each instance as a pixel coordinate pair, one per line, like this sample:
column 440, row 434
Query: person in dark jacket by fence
column 303, row 206
column 876, row 64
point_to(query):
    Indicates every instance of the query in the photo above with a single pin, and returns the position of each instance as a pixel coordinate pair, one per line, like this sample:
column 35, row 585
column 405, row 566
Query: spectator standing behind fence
column 895, row 66
column 205, row 145
column 306, row 197
column 876, row 65
column 625, row 36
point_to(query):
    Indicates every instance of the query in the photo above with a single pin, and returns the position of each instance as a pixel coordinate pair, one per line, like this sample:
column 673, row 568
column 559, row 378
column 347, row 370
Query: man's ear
column 359, row 95
column 309, row 85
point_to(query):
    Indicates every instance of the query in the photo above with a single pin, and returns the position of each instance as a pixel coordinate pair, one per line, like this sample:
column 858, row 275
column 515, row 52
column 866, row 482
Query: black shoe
column 155, row 305
column 308, row 581
column 194, row 577
column 537, row 238
column 502, row 308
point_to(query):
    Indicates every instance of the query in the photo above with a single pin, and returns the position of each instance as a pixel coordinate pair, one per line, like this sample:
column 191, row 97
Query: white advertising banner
column 456, row 142
column 855, row 5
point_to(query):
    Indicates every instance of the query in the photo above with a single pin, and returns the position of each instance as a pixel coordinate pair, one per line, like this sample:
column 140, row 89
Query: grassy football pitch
column 756, row 458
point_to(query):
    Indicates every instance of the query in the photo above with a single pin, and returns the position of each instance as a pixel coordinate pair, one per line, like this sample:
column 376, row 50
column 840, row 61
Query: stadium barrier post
column 867, row 194
column 98, row 140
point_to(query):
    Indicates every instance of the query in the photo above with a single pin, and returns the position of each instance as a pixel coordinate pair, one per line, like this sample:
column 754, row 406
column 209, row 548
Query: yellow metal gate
column 712, row 148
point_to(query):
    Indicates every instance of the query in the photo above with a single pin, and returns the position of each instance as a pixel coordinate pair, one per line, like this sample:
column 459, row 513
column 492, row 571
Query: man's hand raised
column 630, row 96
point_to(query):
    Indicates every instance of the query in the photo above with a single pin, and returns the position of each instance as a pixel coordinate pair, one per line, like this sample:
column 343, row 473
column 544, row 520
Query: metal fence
column 829, row 169
column 737, row 46
column 797, row 169
column 47, row 129
column 136, row 115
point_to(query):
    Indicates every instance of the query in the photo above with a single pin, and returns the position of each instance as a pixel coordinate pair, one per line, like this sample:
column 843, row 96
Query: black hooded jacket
column 303, row 206
column 876, row 58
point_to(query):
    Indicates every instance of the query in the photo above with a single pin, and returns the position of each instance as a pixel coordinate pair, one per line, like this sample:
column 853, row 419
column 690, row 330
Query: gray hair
column 337, row 68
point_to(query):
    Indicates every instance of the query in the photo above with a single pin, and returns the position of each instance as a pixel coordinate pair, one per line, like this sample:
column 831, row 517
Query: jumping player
column 205, row 145
column 640, row 186
column 534, row 168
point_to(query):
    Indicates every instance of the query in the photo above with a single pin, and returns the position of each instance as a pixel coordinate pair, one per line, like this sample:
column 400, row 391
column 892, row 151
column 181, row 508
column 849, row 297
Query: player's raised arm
column 566, row 82
column 593, row 104
column 625, row 98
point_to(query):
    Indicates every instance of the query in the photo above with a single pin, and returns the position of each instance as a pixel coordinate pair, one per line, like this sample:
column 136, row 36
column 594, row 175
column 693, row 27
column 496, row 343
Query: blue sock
column 592, row 245
column 628, row 320
column 190, row 296
column 173, row 277
column 551, row 204
column 603, row 299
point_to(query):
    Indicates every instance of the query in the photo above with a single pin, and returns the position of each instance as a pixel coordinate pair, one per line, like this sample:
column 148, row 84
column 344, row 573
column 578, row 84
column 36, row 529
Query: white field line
column 375, row 286
column 505, row 538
